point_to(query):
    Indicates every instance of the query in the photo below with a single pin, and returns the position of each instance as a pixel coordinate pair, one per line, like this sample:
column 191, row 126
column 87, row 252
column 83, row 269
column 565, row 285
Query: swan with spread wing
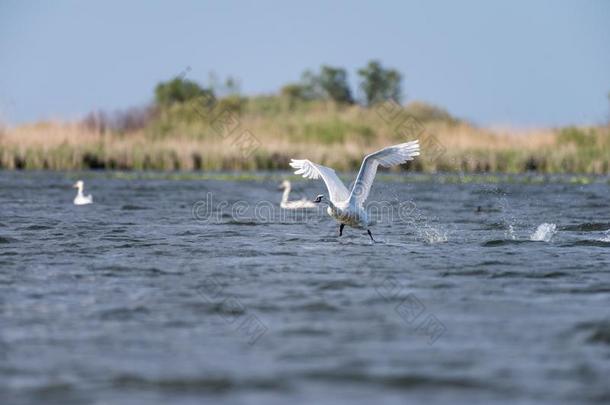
column 347, row 207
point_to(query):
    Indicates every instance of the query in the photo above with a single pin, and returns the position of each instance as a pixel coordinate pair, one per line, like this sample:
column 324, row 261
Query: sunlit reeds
column 331, row 135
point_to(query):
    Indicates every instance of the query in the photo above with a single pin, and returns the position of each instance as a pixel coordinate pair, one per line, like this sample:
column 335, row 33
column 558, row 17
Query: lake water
column 188, row 291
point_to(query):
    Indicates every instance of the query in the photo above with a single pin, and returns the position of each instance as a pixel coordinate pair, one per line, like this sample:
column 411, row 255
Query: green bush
column 178, row 91
column 328, row 131
column 428, row 112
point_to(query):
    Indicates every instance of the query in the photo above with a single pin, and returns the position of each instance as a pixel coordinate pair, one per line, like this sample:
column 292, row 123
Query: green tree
column 310, row 86
column 333, row 83
column 179, row 91
column 329, row 84
column 379, row 83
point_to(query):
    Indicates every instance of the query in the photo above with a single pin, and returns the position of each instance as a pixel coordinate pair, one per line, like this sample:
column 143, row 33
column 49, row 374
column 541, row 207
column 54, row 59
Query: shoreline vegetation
column 276, row 176
column 333, row 136
column 192, row 128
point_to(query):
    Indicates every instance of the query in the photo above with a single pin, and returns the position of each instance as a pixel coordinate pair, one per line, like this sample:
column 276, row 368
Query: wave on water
column 587, row 227
column 544, row 233
column 503, row 242
column 595, row 331
column 130, row 207
column 606, row 237
column 6, row 239
column 603, row 241
column 588, row 242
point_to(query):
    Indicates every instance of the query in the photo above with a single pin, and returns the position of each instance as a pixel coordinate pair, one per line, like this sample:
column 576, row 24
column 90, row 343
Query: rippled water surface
column 195, row 291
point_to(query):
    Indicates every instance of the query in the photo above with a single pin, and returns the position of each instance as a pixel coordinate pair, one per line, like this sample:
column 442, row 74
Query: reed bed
column 331, row 135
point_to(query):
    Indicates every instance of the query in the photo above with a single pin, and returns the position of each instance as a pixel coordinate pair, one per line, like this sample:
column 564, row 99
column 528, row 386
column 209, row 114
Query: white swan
column 293, row 205
column 80, row 198
column 347, row 207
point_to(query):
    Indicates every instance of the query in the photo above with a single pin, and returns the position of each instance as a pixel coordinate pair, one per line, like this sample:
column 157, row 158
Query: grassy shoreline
column 275, row 177
column 330, row 135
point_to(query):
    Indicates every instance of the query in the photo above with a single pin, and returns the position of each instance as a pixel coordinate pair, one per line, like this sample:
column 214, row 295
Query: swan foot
column 371, row 235
column 341, row 229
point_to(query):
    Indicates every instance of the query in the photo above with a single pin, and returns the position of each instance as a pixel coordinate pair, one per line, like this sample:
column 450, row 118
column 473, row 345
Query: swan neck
column 285, row 195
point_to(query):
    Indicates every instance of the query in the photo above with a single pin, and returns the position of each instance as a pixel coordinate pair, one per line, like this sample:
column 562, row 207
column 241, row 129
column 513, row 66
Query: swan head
column 319, row 198
column 78, row 184
column 284, row 185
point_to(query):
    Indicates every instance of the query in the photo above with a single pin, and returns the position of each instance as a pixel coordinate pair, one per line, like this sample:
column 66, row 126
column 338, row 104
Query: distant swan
column 80, row 198
column 347, row 207
column 293, row 205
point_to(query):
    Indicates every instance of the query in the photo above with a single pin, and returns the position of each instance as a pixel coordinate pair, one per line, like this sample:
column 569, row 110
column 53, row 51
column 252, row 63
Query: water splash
column 422, row 224
column 606, row 237
column 544, row 232
column 509, row 233
column 507, row 216
column 433, row 235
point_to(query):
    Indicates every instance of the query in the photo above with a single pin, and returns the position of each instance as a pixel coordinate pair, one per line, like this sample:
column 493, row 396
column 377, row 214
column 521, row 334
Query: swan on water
column 293, row 205
column 347, row 208
column 80, row 198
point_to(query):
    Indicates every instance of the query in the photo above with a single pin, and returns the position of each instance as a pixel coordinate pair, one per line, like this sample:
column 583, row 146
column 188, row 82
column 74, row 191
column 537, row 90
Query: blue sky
column 515, row 63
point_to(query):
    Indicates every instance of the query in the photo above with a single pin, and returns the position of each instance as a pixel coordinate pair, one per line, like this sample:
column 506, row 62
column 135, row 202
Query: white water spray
column 544, row 232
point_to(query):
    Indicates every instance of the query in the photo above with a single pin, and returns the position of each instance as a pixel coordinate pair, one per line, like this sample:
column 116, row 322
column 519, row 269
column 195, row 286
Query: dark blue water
column 203, row 291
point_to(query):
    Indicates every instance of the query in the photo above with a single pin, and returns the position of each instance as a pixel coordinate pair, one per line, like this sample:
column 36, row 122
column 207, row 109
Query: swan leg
column 371, row 235
column 341, row 229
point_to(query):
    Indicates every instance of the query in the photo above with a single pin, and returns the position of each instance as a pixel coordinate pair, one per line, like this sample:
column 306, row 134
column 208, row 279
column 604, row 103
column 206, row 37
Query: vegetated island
column 215, row 128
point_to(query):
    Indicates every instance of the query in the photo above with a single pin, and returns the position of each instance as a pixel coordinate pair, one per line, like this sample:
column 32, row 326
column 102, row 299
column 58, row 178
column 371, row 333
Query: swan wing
column 310, row 170
column 387, row 157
